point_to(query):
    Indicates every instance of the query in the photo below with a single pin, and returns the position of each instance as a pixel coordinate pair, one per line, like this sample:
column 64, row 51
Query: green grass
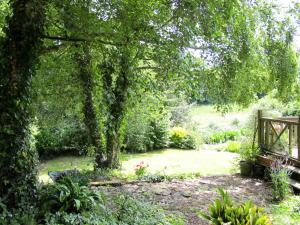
column 170, row 162
column 205, row 115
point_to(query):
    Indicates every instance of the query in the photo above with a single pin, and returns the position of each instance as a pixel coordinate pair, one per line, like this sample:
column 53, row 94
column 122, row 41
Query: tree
column 19, row 52
column 153, row 44
column 150, row 42
column 83, row 58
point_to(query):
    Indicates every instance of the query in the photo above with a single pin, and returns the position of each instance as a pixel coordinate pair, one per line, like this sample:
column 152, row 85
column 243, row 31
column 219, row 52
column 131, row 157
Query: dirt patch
column 187, row 197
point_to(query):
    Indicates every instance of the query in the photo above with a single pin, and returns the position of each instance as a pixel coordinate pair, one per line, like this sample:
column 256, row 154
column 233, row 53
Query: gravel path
column 187, row 197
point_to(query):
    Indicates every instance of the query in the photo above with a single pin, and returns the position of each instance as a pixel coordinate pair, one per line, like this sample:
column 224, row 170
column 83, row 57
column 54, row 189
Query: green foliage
column 4, row 12
column 287, row 211
column 180, row 138
column 71, row 139
column 67, row 196
column 222, row 136
column 24, row 215
column 280, row 180
column 156, row 178
column 224, row 211
column 99, row 215
column 233, row 146
column 248, row 151
column 147, row 126
column 133, row 212
column 180, row 111
column 292, row 109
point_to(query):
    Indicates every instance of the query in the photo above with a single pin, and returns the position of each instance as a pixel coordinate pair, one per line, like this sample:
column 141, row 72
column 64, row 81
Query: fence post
column 259, row 128
column 290, row 130
column 298, row 136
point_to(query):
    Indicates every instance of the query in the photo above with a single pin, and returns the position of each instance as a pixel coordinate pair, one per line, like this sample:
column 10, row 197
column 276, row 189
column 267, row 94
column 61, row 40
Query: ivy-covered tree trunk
column 115, row 94
column 19, row 52
column 90, row 119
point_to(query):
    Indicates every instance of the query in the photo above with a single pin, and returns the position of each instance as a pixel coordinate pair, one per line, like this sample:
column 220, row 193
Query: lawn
column 206, row 115
column 170, row 162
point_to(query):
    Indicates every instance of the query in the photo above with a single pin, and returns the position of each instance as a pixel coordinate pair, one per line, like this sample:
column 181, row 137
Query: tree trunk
column 90, row 118
column 115, row 98
column 19, row 53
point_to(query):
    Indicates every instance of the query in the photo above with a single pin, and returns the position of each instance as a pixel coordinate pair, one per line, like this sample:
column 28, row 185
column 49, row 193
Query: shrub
column 55, row 141
column 180, row 111
column 67, row 196
column 233, row 146
column 248, row 151
column 159, row 134
column 131, row 211
column 25, row 214
column 156, row 178
column 101, row 216
column 180, row 138
column 280, row 180
column 224, row 211
column 146, row 128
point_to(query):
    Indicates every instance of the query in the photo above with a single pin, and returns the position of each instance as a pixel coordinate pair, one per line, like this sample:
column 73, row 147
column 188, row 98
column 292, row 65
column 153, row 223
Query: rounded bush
column 180, row 138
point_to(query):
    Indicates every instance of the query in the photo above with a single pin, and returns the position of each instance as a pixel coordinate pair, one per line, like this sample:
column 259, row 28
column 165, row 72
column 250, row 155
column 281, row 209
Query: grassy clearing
column 169, row 162
column 205, row 115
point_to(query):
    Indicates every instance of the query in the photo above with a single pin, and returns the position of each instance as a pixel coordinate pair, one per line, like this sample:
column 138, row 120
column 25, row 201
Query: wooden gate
column 279, row 135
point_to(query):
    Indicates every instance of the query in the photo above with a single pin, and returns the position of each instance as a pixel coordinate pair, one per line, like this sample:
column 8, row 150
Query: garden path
column 187, row 197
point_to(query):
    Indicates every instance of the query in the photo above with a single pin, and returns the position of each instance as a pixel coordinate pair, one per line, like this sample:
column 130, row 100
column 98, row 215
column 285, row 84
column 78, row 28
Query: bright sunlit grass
column 205, row 115
column 170, row 162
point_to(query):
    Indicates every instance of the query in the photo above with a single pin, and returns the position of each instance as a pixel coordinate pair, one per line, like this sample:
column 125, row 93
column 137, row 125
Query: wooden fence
column 279, row 135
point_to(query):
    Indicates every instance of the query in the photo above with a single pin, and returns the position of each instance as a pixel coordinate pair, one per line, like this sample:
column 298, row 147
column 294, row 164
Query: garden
column 149, row 112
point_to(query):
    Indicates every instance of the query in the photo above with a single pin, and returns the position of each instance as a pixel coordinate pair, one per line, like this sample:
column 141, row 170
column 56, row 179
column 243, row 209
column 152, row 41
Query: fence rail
column 279, row 135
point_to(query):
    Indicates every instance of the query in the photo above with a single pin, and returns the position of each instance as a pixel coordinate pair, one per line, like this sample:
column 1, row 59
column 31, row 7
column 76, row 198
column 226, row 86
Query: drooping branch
column 79, row 39
column 148, row 68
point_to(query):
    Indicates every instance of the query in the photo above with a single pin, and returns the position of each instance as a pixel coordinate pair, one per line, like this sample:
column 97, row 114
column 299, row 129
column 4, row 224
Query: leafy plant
column 156, row 178
column 24, row 215
column 280, row 180
column 287, row 211
column 222, row 136
column 140, row 169
column 224, row 211
column 130, row 211
column 97, row 216
column 64, row 139
column 67, row 196
column 233, row 146
column 248, row 151
column 180, row 138
column 147, row 126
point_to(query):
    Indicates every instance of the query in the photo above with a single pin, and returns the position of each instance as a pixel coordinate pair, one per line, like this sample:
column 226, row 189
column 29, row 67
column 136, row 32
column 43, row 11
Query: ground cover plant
column 286, row 212
column 224, row 211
